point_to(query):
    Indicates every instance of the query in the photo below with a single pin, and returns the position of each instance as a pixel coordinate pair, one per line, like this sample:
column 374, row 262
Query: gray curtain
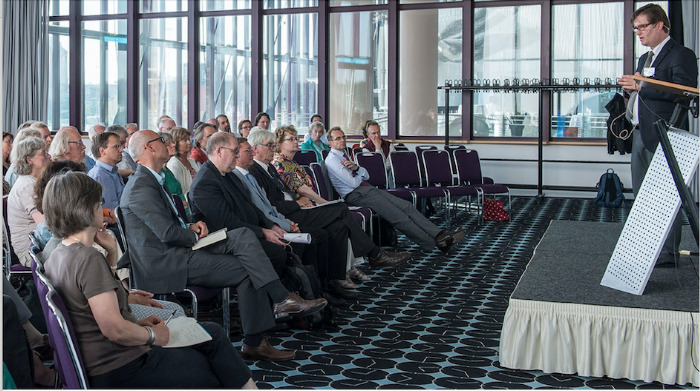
column 691, row 13
column 25, row 61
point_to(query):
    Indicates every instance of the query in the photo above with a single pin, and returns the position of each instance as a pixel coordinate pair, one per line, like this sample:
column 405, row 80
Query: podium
column 659, row 199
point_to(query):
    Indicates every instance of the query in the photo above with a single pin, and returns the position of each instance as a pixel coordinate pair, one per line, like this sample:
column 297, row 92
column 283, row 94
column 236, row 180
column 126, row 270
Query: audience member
column 314, row 142
column 201, row 136
column 22, row 216
column 222, row 124
column 244, row 128
column 348, row 179
column 45, row 133
column 68, row 145
column 262, row 120
column 119, row 350
column 108, row 152
column 293, row 175
column 171, row 183
column 166, row 124
column 93, row 131
column 212, row 121
column 7, row 139
column 126, row 165
column 11, row 175
column 182, row 166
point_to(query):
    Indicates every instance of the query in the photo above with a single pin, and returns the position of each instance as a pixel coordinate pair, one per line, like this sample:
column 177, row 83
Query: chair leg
column 194, row 303
column 226, row 297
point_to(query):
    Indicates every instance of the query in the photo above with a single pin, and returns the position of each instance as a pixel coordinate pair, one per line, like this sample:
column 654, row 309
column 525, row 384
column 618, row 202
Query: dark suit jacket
column 159, row 247
column 272, row 188
column 222, row 201
column 676, row 64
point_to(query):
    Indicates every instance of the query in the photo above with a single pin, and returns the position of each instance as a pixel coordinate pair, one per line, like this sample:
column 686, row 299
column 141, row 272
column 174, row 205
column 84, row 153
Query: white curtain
column 25, row 53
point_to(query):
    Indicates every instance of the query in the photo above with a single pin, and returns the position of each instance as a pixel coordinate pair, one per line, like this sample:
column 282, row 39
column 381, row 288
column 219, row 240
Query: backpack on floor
column 610, row 190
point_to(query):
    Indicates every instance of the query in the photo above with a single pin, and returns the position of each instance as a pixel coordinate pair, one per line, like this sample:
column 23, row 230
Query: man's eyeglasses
column 643, row 26
column 235, row 151
column 161, row 138
column 245, row 150
column 79, row 143
column 269, row 145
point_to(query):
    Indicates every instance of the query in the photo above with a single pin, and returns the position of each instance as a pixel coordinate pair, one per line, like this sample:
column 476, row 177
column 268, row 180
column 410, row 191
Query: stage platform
column 561, row 320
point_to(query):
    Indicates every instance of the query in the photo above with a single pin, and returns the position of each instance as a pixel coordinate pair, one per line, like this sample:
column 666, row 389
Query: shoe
column 358, row 274
column 335, row 288
column 333, row 300
column 265, row 352
column 388, row 258
column 445, row 240
column 295, row 305
column 347, row 283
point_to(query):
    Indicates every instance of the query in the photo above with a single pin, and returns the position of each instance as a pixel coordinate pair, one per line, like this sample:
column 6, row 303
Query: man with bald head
column 166, row 124
column 160, row 249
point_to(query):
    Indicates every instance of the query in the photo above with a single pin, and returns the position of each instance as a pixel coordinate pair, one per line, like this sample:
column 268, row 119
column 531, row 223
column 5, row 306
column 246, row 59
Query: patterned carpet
column 435, row 321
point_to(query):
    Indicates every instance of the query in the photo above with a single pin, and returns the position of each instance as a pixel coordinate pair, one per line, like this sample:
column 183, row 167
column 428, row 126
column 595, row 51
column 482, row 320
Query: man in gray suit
column 162, row 259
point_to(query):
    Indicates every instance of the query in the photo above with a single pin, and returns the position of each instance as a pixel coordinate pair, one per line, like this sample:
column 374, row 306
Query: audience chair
column 419, row 153
column 67, row 358
column 195, row 292
column 373, row 162
column 10, row 261
column 325, row 153
column 305, row 157
column 439, row 173
column 469, row 173
column 314, row 182
column 409, row 176
column 400, row 147
column 450, row 150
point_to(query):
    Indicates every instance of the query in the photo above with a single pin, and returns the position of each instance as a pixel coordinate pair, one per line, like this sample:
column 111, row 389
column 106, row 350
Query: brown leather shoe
column 265, row 352
column 388, row 258
column 445, row 240
column 295, row 305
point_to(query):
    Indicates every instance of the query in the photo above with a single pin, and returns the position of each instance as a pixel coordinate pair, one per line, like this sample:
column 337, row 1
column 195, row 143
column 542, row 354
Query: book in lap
column 186, row 331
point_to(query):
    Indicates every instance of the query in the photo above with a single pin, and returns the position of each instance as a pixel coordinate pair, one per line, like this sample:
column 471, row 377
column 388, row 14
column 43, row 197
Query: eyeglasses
column 292, row 139
column 235, row 151
column 80, row 143
column 269, row 145
column 245, row 150
column 161, row 138
column 643, row 26
column 115, row 146
column 245, row 127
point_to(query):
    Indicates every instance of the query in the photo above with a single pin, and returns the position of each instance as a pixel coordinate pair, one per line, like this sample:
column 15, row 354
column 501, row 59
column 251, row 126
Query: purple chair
column 451, row 150
column 319, row 177
column 10, row 261
column 195, row 292
column 439, row 173
column 325, row 153
column 305, row 157
column 408, row 176
column 67, row 358
column 373, row 162
column 419, row 153
column 469, row 173
column 314, row 182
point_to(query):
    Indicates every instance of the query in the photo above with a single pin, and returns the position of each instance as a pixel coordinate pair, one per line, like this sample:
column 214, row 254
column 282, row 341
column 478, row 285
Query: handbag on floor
column 494, row 211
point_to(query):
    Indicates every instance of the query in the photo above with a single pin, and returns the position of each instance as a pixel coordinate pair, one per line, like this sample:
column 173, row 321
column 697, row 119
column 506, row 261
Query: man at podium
column 668, row 61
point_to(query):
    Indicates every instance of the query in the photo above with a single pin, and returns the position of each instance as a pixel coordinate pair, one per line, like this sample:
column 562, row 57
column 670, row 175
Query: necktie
column 255, row 185
column 345, row 155
column 633, row 95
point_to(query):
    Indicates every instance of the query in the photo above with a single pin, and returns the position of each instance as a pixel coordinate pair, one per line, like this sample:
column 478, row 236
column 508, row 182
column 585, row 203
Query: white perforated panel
column 650, row 219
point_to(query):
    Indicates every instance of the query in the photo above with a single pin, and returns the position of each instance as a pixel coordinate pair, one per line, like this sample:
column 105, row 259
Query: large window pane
column 59, row 75
column 59, row 7
column 163, row 71
column 430, row 52
column 163, row 5
column 290, row 3
column 225, row 68
column 104, row 72
column 222, row 5
column 338, row 3
column 104, row 7
column 506, row 46
column 358, row 69
column 290, row 68
column 586, row 44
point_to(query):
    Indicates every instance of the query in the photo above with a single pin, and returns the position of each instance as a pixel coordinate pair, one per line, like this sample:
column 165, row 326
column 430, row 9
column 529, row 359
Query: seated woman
column 262, row 120
column 118, row 350
column 244, row 127
column 292, row 173
column 314, row 143
column 201, row 136
column 171, row 182
column 22, row 215
column 183, row 167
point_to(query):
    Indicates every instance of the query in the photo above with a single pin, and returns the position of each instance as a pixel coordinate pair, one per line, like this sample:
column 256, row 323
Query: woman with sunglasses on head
column 118, row 350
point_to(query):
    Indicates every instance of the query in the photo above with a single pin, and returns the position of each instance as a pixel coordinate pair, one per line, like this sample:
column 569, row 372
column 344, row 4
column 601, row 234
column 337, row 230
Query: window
column 506, row 46
column 221, row 5
column 103, row 7
column 59, row 75
column 290, row 69
column 358, row 70
column 430, row 52
column 338, row 3
column 163, row 5
column 104, row 72
column 163, row 71
column 290, row 3
column 225, row 67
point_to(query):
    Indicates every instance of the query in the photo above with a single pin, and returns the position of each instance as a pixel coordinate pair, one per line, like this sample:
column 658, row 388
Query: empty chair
column 469, row 173
column 439, row 173
column 400, row 147
column 322, row 186
column 408, row 176
column 373, row 162
column 305, row 157
column 450, row 150
column 419, row 153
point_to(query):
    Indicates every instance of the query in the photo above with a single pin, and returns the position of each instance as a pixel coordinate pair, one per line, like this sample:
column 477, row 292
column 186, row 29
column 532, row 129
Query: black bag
column 610, row 190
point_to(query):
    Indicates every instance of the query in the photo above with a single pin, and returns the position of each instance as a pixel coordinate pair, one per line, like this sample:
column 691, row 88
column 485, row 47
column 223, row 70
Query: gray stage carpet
column 570, row 260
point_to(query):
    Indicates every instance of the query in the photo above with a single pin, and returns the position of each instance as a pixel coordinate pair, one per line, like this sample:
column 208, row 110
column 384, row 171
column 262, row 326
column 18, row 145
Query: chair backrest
column 468, row 167
column 373, row 162
column 8, row 254
column 400, row 147
column 419, row 153
column 326, row 192
column 438, row 169
column 180, row 207
column 325, row 153
column 314, row 181
column 67, row 358
column 408, row 175
column 305, row 157
column 354, row 152
column 451, row 150
column 122, row 228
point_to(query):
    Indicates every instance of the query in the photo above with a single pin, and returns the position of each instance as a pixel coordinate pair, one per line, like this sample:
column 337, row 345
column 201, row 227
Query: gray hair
column 199, row 133
column 60, row 145
column 91, row 130
column 26, row 124
column 217, row 140
column 260, row 137
column 131, row 125
column 24, row 134
column 25, row 149
column 166, row 136
column 69, row 203
column 118, row 129
column 315, row 125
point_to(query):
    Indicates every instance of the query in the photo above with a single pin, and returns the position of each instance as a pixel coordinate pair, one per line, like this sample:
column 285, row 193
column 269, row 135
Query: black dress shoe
column 265, row 352
column 444, row 240
column 336, row 289
column 333, row 300
column 388, row 258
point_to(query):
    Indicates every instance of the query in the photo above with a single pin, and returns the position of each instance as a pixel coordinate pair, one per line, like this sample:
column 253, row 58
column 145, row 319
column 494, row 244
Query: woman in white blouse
column 182, row 166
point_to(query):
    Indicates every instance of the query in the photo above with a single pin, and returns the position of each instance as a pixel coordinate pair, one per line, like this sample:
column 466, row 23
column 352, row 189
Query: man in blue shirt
column 108, row 151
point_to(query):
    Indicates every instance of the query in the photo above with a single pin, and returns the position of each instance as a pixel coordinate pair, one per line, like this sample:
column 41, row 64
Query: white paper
column 322, row 205
column 186, row 331
column 298, row 238
column 212, row 238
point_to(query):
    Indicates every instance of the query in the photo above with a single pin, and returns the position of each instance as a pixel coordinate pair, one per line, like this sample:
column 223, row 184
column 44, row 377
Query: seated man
column 348, row 178
column 335, row 218
column 107, row 149
column 160, row 249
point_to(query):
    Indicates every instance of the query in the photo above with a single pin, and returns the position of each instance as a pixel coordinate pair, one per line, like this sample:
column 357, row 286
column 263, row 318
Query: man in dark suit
column 666, row 61
column 162, row 259
column 334, row 218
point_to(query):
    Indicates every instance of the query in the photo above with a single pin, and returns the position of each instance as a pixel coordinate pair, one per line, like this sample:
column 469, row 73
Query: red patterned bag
column 494, row 211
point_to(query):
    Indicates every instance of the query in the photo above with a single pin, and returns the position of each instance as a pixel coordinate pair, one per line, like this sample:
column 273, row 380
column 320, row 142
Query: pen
column 170, row 317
